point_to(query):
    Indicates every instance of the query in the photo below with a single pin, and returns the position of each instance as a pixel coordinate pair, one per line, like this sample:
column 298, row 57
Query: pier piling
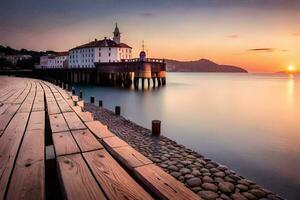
column 92, row 99
column 100, row 103
column 80, row 94
column 156, row 127
column 117, row 110
column 73, row 91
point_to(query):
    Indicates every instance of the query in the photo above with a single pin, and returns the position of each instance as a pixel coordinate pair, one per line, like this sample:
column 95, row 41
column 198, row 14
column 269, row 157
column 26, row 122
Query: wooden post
column 117, row 110
column 156, row 127
column 80, row 94
column 100, row 103
column 92, row 99
column 73, row 91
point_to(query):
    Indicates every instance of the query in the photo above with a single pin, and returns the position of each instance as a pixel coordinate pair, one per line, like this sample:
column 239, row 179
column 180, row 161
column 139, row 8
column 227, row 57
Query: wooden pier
column 123, row 73
column 51, row 149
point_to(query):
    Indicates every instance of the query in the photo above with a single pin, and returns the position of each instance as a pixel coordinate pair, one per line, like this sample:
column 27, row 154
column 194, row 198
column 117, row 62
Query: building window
column 99, row 54
column 109, row 48
column 108, row 54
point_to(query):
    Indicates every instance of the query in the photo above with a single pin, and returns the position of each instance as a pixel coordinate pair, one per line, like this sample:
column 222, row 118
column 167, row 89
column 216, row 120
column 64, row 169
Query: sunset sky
column 259, row 35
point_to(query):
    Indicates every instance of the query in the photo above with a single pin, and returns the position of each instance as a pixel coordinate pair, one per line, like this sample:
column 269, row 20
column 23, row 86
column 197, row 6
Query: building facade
column 106, row 50
column 59, row 60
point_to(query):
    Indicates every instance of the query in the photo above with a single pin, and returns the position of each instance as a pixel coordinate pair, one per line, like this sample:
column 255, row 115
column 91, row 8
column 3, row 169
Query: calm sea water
column 249, row 122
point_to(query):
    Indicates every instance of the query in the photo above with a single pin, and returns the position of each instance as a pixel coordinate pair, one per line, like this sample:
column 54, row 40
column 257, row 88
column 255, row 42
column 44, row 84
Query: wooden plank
column 8, row 115
column 3, row 108
column 86, row 140
column 113, row 179
column 58, row 123
column 64, row 107
column 129, row 157
column 162, row 184
column 100, row 130
column 80, row 103
column 113, row 142
column 64, row 143
column 73, row 121
column 52, row 107
column 36, row 121
column 28, row 178
column 84, row 116
column 39, row 101
column 9, row 145
column 76, row 178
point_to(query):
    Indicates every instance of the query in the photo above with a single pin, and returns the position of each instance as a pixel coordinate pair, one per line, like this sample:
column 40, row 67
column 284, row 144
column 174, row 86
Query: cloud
column 147, row 14
column 262, row 49
column 233, row 36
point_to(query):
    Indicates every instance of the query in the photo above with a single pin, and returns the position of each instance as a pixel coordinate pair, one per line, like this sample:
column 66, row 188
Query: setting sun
column 291, row 68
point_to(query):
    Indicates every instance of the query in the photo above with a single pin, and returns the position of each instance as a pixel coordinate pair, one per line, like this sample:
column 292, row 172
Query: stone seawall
column 207, row 178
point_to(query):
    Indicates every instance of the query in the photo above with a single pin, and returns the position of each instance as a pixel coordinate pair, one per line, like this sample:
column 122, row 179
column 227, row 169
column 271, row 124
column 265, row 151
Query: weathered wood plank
column 77, row 180
column 100, row 130
column 58, row 123
column 9, row 145
column 28, row 178
column 7, row 115
column 52, row 107
column 73, row 121
column 113, row 179
column 129, row 157
column 113, row 142
column 162, row 184
column 64, row 143
column 36, row 121
column 84, row 116
column 86, row 140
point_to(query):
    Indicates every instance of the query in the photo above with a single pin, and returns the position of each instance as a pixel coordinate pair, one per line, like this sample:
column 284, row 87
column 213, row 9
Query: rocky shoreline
column 209, row 179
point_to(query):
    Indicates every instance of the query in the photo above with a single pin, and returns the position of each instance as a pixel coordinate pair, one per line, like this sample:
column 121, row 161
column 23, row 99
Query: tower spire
column 117, row 34
column 143, row 45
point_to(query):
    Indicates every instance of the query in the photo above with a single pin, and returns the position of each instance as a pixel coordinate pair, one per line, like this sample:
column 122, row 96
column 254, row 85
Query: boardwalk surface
column 40, row 124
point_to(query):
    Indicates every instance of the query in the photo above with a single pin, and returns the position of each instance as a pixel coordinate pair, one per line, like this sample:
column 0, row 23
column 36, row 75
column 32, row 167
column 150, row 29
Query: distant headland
column 202, row 65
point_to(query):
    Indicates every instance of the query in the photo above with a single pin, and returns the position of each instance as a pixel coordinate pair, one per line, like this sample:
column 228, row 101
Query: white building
column 59, row 60
column 105, row 50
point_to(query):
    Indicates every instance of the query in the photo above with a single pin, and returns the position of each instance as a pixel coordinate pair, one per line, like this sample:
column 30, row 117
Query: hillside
column 202, row 65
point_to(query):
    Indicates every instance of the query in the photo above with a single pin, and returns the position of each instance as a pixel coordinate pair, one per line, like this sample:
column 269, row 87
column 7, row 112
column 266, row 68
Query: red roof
column 102, row 43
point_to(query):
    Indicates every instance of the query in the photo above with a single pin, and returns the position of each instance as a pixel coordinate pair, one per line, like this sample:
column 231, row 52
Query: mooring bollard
column 92, row 99
column 73, row 91
column 117, row 110
column 156, row 127
column 100, row 103
column 80, row 94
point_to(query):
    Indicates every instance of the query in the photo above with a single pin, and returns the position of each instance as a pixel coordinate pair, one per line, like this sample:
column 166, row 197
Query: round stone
column 203, row 170
column 196, row 189
column 258, row 193
column 218, row 179
column 225, row 197
column 194, row 182
column 242, row 187
column 207, row 179
column 188, row 176
column 238, row 196
column 226, row 187
column 175, row 174
column 184, row 171
column 244, row 182
column 208, row 195
column 249, row 195
column 210, row 186
column 214, row 170
column 196, row 172
column 219, row 174
column 173, row 168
